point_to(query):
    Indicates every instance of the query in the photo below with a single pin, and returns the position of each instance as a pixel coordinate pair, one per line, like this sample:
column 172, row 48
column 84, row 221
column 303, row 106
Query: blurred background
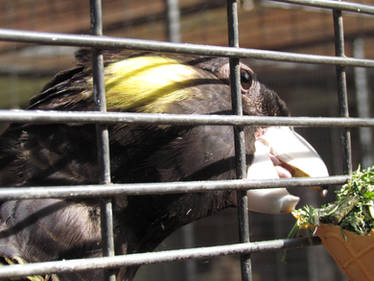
column 309, row 90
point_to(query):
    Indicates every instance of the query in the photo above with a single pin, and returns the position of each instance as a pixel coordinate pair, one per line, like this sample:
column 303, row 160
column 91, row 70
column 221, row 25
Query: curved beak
column 281, row 153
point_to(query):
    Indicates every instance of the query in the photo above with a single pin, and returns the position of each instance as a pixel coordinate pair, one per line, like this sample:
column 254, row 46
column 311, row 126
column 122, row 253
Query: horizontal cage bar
column 95, row 117
column 9, row 193
column 107, row 42
column 154, row 257
column 330, row 4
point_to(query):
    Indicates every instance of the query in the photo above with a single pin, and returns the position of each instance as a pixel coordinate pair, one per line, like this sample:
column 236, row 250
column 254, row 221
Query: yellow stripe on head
column 147, row 83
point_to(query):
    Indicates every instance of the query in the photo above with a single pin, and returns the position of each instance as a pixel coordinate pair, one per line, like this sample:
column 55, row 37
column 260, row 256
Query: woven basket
column 353, row 253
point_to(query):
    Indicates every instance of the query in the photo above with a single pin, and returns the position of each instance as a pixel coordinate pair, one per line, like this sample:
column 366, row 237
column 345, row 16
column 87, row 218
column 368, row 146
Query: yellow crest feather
column 147, row 83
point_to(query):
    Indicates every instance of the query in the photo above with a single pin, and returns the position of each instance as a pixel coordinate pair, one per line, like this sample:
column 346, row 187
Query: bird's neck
column 158, row 216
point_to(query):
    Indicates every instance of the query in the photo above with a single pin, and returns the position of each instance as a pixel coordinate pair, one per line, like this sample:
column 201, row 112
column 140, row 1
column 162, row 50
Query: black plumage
column 65, row 154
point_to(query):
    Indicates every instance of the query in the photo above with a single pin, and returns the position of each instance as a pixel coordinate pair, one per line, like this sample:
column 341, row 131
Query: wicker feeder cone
column 354, row 253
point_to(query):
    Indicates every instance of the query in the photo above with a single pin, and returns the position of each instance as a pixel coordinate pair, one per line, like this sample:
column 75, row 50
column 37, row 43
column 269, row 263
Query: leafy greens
column 352, row 210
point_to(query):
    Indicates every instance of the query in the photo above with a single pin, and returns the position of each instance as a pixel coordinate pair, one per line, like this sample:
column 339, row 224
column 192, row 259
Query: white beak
column 281, row 153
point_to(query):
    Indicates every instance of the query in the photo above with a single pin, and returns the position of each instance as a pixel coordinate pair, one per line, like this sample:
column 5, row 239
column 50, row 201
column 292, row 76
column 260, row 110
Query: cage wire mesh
column 266, row 30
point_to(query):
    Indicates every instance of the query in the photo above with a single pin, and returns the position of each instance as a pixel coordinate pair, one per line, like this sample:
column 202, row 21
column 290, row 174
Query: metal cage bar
column 331, row 4
column 173, row 21
column 102, row 132
column 87, row 191
column 342, row 90
column 94, row 117
column 107, row 42
column 239, row 137
column 153, row 257
column 103, row 118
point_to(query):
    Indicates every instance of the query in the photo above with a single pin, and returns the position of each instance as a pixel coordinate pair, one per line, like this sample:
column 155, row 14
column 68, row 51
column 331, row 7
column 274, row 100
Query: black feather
column 55, row 154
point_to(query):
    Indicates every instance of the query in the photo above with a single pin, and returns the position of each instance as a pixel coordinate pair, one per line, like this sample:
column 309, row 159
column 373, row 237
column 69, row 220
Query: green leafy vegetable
column 353, row 208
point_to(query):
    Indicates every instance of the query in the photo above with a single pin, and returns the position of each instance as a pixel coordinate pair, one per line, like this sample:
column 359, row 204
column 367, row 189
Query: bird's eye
column 245, row 79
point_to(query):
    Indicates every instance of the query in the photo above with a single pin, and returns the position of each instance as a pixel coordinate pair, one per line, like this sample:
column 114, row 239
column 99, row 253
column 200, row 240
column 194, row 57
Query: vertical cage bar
column 342, row 90
column 239, row 138
column 363, row 103
column 102, row 136
column 172, row 21
column 173, row 34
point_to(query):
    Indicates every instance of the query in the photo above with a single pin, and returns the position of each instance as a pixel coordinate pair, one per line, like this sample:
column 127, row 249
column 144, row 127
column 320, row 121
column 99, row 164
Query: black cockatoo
column 65, row 154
